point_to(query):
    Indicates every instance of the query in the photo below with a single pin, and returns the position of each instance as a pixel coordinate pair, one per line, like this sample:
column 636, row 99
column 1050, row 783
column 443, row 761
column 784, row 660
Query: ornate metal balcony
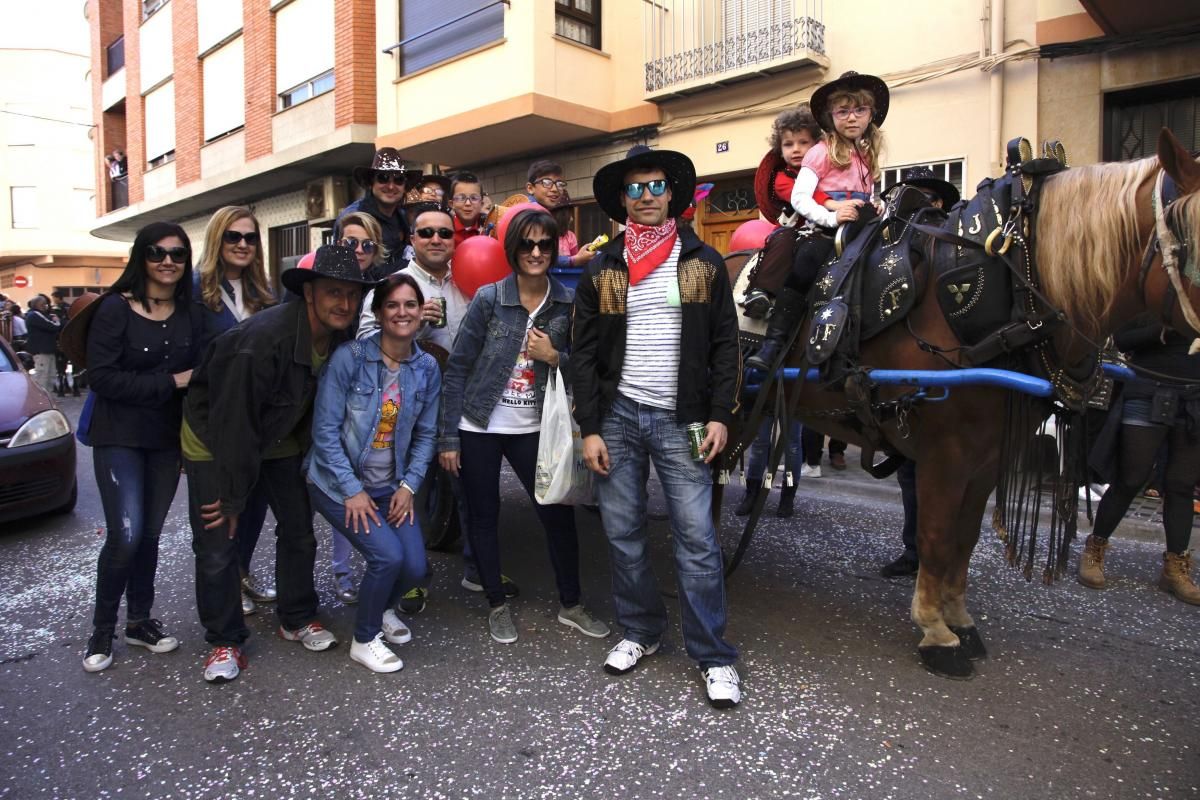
column 691, row 45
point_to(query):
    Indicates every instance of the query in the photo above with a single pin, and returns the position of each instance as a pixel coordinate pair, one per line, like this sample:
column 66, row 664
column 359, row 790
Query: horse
column 1099, row 265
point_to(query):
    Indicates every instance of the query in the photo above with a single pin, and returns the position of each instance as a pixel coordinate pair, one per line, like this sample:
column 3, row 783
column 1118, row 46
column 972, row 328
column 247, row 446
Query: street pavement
column 1086, row 694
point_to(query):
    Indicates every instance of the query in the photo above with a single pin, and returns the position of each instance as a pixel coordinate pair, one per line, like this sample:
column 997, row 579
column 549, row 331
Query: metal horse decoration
column 1083, row 251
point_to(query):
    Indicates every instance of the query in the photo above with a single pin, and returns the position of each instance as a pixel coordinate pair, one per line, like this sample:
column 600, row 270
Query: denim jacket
column 486, row 349
column 347, row 412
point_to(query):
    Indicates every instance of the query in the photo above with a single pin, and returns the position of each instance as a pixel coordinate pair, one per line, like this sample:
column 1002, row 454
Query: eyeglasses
column 368, row 245
column 433, row 191
column 390, row 177
column 234, row 237
column 466, row 198
column 657, row 188
column 156, row 254
column 845, row 111
column 428, row 233
column 527, row 245
column 550, row 183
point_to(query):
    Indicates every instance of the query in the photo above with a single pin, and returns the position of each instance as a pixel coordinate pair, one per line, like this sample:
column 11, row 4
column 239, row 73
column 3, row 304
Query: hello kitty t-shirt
column 517, row 410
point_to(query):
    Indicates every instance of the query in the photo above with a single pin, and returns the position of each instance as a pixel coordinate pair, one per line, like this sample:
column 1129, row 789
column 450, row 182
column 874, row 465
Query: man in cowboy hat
column 386, row 182
column 654, row 360
column 247, row 421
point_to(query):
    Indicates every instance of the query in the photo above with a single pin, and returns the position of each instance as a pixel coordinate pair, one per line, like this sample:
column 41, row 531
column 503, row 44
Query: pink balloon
column 750, row 235
column 478, row 261
column 306, row 260
column 502, row 225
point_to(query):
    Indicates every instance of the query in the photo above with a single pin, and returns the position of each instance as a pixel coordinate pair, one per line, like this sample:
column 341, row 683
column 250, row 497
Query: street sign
column 20, row 281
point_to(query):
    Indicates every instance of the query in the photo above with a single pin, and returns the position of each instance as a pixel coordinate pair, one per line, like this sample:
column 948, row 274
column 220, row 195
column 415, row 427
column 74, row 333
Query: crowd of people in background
column 372, row 370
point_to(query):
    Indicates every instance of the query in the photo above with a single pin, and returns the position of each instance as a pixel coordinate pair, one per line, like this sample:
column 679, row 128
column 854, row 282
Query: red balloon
column 750, row 235
column 502, row 225
column 306, row 261
column 478, row 261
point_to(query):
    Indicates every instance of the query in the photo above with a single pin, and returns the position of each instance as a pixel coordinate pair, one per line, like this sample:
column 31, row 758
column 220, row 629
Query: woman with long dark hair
column 141, row 347
column 515, row 333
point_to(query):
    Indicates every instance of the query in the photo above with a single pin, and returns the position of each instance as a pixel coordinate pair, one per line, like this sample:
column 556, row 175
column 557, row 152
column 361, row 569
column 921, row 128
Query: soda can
column 696, row 433
column 441, row 323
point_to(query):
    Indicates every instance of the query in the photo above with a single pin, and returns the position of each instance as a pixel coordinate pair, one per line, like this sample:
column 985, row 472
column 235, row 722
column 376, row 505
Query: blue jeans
column 395, row 556
column 136, row 489
column 634, row 435
column 760, row 451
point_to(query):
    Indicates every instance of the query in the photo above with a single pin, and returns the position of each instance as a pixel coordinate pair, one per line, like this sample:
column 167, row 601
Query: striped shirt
column 654, row 321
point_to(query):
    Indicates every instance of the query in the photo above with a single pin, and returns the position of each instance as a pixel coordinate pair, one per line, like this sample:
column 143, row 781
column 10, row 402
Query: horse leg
column 954, row 592
column 939, row 496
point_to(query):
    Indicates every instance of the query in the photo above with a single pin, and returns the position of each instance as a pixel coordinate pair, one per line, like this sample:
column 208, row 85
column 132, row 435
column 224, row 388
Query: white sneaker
column 248, row 605
column 313, row 636
column 394, row 630
column 224, row 664
column 807, row 471
column 375, row 655
column 626, row 655
column 723, row 687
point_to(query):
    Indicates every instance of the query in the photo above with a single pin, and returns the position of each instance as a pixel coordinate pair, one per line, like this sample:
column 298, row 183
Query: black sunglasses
column 156, row 254
column 233, row 237
column 427, row 233
column 527, row 245
column 390, row 177
column 368, row 245
column 657, row 188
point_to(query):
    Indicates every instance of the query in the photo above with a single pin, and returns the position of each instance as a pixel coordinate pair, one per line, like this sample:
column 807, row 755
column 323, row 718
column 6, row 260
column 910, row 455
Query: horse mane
column 1087, row 236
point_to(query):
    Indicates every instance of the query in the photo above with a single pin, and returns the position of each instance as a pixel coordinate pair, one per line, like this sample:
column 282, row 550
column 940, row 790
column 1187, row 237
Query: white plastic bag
column 561, row 475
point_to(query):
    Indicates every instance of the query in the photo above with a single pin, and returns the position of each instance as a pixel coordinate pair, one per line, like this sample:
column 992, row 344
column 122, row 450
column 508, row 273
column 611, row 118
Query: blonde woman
column 230, row 285
column 362, row 234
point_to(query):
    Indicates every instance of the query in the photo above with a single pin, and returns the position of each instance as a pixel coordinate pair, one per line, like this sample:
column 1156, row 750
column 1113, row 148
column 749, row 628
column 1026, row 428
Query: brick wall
column 189, row 92
column 258, row 30
column 354, row 63
column 106, row 25
column 135, row 144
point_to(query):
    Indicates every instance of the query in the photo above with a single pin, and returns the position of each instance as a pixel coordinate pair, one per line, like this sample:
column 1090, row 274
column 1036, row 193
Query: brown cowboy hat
column 387, row 159
column 764, row 185
column 72, row 339
column 608, row 185
column 850, row 82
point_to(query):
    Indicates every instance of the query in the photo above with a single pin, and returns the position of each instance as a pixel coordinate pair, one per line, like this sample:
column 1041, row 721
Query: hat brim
column 72, row 340
column 681, row 173
column 764, row 185
column 851, row 83
column 295, row 278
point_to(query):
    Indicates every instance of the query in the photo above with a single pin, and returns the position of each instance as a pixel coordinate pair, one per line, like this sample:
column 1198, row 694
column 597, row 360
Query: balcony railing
column 690, row 44
column 118, row 192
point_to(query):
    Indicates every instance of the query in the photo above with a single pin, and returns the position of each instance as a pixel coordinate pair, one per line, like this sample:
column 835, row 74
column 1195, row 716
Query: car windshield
column 6, row 362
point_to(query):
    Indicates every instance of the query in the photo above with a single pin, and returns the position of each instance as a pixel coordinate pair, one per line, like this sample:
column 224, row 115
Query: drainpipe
column 996, row 88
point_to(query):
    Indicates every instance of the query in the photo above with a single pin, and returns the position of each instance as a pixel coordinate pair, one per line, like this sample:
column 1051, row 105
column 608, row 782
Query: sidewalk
column 1143, row 520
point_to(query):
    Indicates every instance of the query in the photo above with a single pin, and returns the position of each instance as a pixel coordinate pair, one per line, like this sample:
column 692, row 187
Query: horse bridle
column 1172, row 248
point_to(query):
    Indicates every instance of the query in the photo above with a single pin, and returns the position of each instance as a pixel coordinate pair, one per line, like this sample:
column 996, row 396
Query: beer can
column 696, row 433
column 441, row 323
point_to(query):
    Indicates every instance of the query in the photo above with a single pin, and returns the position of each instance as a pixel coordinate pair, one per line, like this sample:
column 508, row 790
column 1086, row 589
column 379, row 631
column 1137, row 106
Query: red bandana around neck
column 647, row 246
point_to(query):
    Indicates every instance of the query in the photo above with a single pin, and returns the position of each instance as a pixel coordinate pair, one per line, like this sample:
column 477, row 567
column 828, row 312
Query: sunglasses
column 368, row 245
column 527, row 245
column 550, row 183
column 156, row 254
column 390, row 177
column 657, row 188
column 234, row 237
column 428, row 233
column 845, row 112
column 466, row 198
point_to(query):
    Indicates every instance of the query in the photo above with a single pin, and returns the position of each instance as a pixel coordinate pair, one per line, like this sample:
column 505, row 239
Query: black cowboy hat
column 922, row 178
column 333, row 262
column 608, row 185
column 387, row 159
column 850, row 82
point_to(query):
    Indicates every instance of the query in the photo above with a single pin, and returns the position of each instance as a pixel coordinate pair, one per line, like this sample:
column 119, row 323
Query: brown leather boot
column 1177, row 577
column 1091, row 562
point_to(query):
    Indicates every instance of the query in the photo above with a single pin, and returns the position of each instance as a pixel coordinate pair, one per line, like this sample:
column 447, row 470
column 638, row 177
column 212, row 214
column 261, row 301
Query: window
column 590, row 222
column 216, row 21
column 432, row 31
column 150, row 6
column 303, row 50
column 160, row 124
column 24, row 206
column 287, row 243
column 224, row 90
column 950, row 171
column 114, row 56
column 306, row 91
column 156, row 57
column 1132, row 119
column 578, row 20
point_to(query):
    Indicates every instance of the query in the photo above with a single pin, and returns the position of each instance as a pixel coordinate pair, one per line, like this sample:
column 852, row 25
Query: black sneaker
column 99, row 650
column 902, row 567
column 413, row 602
column 149, row 634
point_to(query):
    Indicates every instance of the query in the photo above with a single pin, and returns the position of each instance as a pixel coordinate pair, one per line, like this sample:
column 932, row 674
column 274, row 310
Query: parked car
column 37, row 449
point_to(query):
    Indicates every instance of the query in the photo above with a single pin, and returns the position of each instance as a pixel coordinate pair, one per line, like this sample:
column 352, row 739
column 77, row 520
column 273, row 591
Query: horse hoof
column 947, row 662
column 971, row 643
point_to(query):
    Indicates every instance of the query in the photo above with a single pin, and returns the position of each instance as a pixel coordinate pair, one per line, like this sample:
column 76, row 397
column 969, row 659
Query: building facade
column 264, row 103
column 47, row 185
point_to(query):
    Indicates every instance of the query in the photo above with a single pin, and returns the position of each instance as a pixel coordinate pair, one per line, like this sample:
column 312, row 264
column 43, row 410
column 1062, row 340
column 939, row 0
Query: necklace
column 160, row 300
column 395, row 359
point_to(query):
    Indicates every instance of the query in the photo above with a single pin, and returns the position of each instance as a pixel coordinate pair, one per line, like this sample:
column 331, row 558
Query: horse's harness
column 1169, row 243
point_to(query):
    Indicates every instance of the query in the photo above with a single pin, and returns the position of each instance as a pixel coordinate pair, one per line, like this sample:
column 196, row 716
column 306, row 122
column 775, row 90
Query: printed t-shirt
column 517, row 410
column 379, row 469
